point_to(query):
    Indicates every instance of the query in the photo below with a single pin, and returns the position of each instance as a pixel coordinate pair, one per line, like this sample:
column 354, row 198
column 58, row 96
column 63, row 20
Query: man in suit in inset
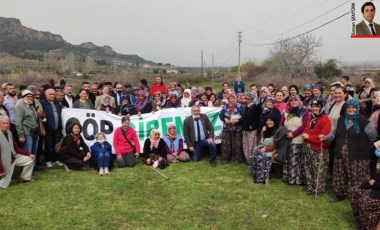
column 199, row 133
column 367, row 26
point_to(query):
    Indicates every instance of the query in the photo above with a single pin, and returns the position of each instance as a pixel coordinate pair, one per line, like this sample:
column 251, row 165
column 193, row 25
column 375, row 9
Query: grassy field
column 197, row 196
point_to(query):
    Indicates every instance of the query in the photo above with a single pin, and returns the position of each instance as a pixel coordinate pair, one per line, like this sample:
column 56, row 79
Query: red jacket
column 121, row 145
column 322, row 126
column 154, row 88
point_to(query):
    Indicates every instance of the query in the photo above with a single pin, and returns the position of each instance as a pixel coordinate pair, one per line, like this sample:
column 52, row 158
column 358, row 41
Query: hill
column 23, row 42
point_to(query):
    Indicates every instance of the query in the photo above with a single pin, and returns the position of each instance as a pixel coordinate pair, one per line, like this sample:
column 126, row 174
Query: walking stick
column 319, row 170
column 158, row 172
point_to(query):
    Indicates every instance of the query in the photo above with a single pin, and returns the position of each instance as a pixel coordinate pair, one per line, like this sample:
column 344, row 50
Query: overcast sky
column 175, row 31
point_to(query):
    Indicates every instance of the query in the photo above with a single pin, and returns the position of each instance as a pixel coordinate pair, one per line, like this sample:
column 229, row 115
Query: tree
column 327, row 70
column 294, row 57
column 89, row 65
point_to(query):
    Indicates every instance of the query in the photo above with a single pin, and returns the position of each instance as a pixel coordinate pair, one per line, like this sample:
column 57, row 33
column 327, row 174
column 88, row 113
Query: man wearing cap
column 27, row 123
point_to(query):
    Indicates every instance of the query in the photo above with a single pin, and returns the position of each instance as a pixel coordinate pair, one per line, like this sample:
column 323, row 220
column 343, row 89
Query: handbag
column 125, row 136
column 42, row 129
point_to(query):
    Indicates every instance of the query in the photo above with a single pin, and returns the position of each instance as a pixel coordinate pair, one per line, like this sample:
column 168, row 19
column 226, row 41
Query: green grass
column 197, row 196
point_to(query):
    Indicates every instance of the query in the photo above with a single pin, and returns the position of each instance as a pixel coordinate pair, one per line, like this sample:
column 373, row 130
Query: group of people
column 309, row 134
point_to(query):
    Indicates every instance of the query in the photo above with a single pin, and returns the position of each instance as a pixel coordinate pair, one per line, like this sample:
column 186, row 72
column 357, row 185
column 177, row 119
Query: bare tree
column 89, row 65
column 294, row 57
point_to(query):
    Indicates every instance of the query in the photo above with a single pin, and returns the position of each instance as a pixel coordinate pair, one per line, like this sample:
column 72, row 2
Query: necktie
column 372, row 30
column 198, row 129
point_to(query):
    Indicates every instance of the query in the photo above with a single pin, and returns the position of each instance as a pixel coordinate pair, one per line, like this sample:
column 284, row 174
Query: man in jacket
column 199, row 133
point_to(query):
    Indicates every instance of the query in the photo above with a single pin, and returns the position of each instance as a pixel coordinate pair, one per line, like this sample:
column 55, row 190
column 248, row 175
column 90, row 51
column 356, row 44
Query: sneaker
column 106, row 171
column 49, row 165
column 57, row 164
column 101, row 172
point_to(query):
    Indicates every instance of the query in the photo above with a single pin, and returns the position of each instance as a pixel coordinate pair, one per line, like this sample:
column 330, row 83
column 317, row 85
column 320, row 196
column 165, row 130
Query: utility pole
column 202, row 62
column 239, row 40
column 212, row 70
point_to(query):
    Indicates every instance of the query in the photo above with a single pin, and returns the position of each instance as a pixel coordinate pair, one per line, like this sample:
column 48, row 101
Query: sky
column 175, row 31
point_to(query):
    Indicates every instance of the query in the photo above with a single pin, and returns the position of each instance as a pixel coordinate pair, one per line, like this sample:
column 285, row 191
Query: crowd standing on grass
column 311, row 136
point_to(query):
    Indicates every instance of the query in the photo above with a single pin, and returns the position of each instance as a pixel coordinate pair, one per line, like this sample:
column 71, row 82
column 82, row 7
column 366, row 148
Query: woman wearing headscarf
column 186, row 99
column 365, row 202
column 269, row 109
column 353, row 137
column 154, row 152
column 316, row 154
column 174, row 146
column 264, row 93
column 142, row 105
column 231, row 116
column 375, row 121
column 157, row 102
column 260, row 160
column 106, row 104
column 126, row 108
column 364, row 97
column 295, row 120
column 173, row 101
column 308, row 95
column 250, row 123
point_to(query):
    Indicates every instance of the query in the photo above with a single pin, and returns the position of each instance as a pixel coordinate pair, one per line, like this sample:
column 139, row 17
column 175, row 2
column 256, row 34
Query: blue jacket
column 97, row 148
column 236, row 84
column 48, row 109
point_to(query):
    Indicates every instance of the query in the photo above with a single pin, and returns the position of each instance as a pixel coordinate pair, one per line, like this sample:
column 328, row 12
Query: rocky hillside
column 20, row 41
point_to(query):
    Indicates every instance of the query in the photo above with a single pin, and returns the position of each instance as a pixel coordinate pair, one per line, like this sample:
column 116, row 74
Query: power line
column 229, row 58
column 291, row 38
column 304, row 22
column 289, row 15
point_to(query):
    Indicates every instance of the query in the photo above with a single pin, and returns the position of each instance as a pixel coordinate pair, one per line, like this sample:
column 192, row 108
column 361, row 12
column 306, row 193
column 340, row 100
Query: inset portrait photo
column 365, row 23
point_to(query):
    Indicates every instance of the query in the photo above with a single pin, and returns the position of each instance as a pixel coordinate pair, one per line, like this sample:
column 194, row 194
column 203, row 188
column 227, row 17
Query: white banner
column 94, row 121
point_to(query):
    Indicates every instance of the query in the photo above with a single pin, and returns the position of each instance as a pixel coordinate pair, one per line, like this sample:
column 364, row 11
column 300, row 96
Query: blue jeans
column 104, row 159
column 31, row 144
column 198, row 146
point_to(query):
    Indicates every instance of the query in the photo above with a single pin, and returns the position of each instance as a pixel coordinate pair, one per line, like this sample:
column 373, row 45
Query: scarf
column 354, row 118
column 296, row 111
column 172, row 141
column 76, row 138
column 269, row 132
column 314, row 119
column 139, row 105
column 154, row 143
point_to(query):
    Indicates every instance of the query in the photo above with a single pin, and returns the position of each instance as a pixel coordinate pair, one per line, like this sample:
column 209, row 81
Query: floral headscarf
column 354, row 118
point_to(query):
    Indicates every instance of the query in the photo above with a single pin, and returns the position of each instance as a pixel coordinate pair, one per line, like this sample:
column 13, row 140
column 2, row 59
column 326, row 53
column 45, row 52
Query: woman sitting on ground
column 126, row 144
column 154, row 150
column 174, row 146
column 101, row 154
column 74, row 152
column 260, row 160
